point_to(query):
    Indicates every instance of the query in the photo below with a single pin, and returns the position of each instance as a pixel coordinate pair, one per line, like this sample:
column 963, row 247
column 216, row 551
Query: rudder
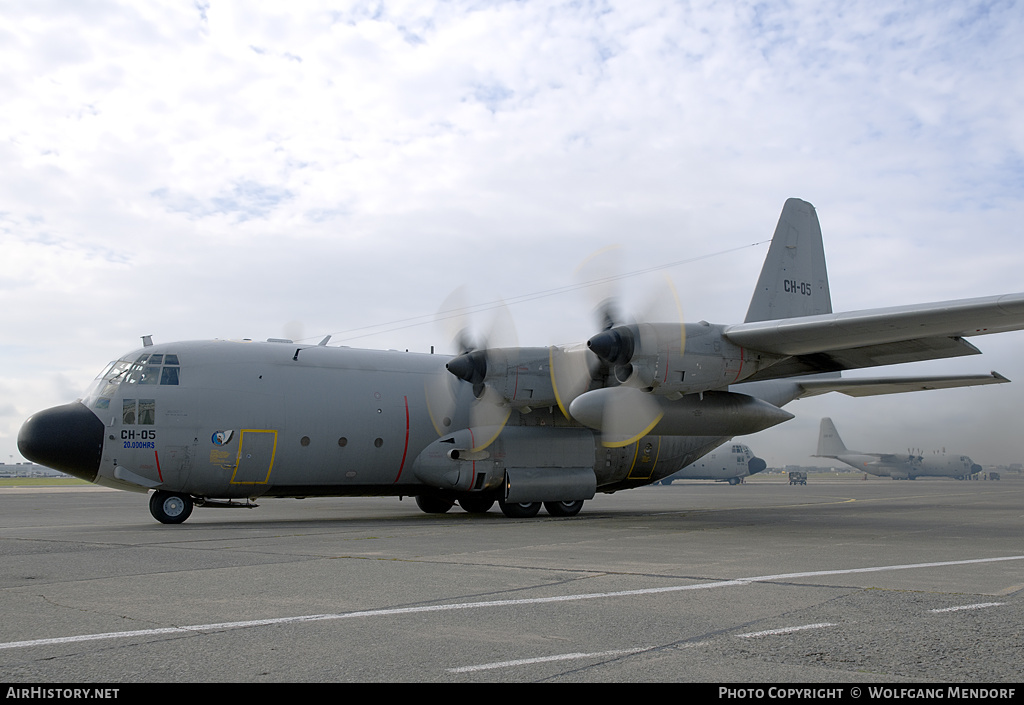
column 794, row 279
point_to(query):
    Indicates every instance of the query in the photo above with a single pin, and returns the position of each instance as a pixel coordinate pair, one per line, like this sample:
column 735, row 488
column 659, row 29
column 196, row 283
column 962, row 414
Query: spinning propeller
column 622, row 356
column 609, row 384
column 447, row 399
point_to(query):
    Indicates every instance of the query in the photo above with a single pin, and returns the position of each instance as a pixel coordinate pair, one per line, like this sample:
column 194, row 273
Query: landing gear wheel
column 433, row 505
column 564, row 509
column 476, row 505
column 170, row 507
column 524, row 510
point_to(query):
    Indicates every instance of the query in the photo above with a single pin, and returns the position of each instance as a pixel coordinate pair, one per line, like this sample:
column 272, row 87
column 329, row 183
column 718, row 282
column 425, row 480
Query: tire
column 476, row 505
column 433, row 505
column 170, row 507
column 520, row 511
column 564, row 509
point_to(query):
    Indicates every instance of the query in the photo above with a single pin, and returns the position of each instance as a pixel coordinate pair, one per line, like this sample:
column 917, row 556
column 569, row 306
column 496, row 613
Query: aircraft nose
column 975, row 469
column 756, row 465
column 68, row 438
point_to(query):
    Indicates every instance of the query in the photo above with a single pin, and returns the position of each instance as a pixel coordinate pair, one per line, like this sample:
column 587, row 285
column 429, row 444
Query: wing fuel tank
column 710, row 414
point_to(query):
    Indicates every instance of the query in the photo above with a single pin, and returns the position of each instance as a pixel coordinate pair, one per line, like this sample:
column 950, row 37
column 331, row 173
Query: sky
column 206, row 169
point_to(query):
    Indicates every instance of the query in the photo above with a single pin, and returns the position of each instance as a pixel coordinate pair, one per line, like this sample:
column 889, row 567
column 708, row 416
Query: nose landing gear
column 170, row 507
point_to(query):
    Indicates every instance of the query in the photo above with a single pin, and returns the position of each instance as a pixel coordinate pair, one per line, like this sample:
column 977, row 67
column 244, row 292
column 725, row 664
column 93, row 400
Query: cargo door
column 256, row 449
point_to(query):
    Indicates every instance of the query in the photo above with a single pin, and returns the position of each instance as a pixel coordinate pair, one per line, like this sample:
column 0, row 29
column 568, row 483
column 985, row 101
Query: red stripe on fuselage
column 405, row 451
column 740, row 370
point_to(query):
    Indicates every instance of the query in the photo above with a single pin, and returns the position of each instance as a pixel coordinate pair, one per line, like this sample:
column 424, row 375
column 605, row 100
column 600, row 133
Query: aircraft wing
column 885, row 336
column 872, row 386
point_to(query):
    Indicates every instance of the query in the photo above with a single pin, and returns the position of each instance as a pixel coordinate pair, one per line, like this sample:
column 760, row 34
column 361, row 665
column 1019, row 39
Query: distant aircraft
column 211, row 423
column 729, row 463
column 898, row 466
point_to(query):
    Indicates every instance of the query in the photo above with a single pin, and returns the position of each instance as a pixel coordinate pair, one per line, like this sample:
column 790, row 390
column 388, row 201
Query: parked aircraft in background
column 730, row 463
column 898, row 466
column 213, row 423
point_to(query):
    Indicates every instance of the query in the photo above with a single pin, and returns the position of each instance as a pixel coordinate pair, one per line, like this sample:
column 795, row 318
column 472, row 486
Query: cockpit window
column 146, row 369
column 151, row 369
column 169, row 376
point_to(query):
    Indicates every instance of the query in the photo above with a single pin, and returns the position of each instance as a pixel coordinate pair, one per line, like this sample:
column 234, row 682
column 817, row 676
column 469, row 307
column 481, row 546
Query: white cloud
column 223, row 169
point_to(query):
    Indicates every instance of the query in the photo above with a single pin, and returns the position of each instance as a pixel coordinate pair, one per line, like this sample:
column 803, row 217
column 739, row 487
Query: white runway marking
column 543, row 659
column 785, row 630
column 978, row 606
column 223, row 626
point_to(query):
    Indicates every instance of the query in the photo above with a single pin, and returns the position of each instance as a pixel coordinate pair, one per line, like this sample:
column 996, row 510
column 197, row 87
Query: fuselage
column 958, row 466
column 730, row 463
column 235, row 419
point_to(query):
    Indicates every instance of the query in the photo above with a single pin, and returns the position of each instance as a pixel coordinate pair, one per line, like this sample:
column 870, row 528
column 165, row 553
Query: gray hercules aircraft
column 219, row 423
column 730, row 463
column 898, row 466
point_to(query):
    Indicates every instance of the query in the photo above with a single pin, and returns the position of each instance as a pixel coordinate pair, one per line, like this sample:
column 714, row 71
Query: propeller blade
column 572, row 371
column 490, row 412
column 629, row 417
column 599, row 275
column 449, row 400
column 442, row 400
column 622, row 414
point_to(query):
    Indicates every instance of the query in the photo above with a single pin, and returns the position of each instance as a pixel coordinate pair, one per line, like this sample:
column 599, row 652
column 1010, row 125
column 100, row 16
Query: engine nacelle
column 522, row 376
column 673, row 359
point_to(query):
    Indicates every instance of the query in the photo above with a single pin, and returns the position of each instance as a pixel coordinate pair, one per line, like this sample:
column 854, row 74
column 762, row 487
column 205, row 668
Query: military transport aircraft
column 213, row 423
column 730, row 463
column 898, row 466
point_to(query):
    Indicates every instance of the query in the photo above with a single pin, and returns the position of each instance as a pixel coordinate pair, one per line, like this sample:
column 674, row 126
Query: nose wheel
column 170, row 507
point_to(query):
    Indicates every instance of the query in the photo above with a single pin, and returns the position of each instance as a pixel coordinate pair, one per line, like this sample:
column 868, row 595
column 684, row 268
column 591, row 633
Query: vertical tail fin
column 794, row 280
column 829, row 443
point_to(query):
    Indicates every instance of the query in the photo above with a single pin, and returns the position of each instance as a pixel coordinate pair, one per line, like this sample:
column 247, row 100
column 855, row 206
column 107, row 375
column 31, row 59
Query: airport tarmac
column 841, row 581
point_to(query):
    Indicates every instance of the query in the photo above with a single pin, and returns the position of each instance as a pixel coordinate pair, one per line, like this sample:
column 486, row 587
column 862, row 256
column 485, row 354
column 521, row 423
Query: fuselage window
column 142, row 411
column 147, row 411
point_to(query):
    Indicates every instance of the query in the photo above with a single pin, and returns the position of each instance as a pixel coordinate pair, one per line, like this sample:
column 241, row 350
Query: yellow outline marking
column 238, row 458
column 554, row 384
column 657, row 454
